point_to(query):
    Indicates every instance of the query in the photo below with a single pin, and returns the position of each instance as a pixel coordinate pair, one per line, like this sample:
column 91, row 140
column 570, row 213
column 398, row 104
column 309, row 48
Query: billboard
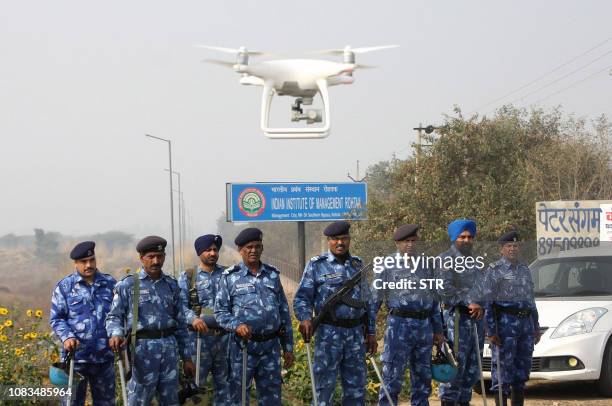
column 570, row 224
column 252, row 202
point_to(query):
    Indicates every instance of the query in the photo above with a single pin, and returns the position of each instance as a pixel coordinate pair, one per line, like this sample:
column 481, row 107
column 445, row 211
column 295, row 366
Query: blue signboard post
column 252, row 202
column 300, row 202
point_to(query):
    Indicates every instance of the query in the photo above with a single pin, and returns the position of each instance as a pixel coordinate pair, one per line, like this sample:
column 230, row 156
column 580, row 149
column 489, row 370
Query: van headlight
column 579, row 323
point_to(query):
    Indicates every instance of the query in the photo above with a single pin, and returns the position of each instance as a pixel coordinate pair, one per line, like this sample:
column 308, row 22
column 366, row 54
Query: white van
column 573, row 292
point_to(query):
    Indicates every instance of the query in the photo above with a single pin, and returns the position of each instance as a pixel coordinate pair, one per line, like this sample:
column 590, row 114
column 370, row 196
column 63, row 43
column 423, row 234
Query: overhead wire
column 574, row 84
column 573, row 59
column 562, row 77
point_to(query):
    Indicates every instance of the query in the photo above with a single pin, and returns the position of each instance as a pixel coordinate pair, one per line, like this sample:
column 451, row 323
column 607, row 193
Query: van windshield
column 573, row 277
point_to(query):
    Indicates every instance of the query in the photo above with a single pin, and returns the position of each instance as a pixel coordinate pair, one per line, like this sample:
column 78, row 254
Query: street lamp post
column 180, row 221
column 171, row 199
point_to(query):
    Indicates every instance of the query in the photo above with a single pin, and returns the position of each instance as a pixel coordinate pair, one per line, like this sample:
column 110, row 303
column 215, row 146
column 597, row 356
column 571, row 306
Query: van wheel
column 604, row 383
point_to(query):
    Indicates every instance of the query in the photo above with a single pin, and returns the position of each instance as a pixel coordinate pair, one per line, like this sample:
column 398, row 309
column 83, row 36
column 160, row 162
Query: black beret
column 510, row 236
column 337, row 228
column 151, row 243
column 247, row 235
column 82, row 250
column 204, row 242
column 405, row 231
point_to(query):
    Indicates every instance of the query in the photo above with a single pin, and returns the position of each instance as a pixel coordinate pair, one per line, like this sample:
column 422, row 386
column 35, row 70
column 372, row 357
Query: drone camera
column 311, row 116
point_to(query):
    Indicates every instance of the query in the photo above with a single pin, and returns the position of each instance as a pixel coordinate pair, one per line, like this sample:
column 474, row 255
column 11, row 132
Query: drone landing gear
column 297, row 113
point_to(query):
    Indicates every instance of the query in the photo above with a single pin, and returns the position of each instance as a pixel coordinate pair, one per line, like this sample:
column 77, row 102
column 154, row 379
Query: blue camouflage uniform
column 460, row 288
column 213, row 347
column 78, row 310
column 336, row 348
column 155, row 365
column 258, row 301
column 409, row 333
column 511, row 314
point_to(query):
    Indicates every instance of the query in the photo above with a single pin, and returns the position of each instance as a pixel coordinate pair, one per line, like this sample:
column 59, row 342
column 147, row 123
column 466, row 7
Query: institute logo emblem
column 251, row 202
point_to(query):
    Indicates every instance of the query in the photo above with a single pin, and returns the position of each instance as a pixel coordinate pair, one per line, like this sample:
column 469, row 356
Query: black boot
column 517, row 396
column 504, row 399
column 444, row 402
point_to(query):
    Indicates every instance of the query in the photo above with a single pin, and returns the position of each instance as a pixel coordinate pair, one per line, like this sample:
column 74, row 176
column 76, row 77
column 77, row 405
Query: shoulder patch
column 126, row 276
column 318, row 258
column 231, row 269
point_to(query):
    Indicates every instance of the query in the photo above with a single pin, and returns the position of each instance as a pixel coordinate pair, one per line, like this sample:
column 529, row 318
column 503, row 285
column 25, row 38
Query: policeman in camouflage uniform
column 214, row 341
column 252, row 304
column 79, row 306
column 460, row 295
column 511, row 319
column 413, row 323
column 161, row 328
column 340, row 342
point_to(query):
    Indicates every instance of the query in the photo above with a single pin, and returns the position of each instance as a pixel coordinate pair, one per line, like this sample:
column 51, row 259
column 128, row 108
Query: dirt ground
column 543, row 393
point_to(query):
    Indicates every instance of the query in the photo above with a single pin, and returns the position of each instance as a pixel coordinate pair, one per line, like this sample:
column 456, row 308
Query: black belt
column 266, row 337
column 515, row 311
column 152, row 334
column 212, row 331
column 346, row 323
column 421, row 315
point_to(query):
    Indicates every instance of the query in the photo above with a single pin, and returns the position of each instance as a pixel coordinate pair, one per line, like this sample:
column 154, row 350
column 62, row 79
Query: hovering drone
column 298, row 78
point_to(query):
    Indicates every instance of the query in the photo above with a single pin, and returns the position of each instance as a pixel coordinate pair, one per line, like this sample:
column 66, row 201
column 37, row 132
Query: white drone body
column 298, row 78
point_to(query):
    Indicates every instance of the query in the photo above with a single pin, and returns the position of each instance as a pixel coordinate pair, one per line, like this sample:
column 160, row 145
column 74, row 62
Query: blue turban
column 458, row 226
column 206, row 241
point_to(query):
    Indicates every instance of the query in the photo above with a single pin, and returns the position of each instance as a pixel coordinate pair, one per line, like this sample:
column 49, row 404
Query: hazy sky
column 81, row 82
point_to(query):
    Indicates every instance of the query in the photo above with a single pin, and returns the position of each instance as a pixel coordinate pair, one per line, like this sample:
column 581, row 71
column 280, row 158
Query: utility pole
column 356, row 179
column 419, row 145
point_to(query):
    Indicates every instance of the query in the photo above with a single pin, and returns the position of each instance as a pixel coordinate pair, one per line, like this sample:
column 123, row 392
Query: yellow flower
column 33, row 334
column 26, row 336
column 8, row 323
column 3, row 338
column 54, row 358
column 3, row 311
column 29, row 312
column 39, row 313
column 18, row 351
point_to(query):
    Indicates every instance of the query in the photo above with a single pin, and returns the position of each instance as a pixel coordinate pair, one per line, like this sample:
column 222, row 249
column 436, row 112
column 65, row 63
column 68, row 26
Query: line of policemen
column 239, row 316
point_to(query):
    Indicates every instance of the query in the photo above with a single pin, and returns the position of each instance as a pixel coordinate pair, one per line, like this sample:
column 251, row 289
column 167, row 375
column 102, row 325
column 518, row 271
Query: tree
column 492, row 170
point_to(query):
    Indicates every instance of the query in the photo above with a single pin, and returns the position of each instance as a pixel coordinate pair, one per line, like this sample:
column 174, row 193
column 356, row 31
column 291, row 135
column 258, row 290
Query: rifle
column 342, row 295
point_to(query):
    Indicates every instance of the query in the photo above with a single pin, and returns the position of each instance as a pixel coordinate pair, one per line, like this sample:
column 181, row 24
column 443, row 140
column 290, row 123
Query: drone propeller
column 219, row 62
column 341, row 51
column 234, row 50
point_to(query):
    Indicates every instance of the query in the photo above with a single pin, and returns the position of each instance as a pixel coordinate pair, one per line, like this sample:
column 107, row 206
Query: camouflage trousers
column 340, row 349
column 155, row 372
column 263, row 366
column 213, row 360
column 515, row 361
column 101, row 380
column 408, row 342
column 460, row 388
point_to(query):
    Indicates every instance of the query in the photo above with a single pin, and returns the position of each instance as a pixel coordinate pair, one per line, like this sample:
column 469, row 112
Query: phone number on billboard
column 546, row 245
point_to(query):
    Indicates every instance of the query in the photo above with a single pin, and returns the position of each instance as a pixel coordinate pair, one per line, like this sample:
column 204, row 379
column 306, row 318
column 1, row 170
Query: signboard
column 605, row 229
column 568, row 224
column 252, row 202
